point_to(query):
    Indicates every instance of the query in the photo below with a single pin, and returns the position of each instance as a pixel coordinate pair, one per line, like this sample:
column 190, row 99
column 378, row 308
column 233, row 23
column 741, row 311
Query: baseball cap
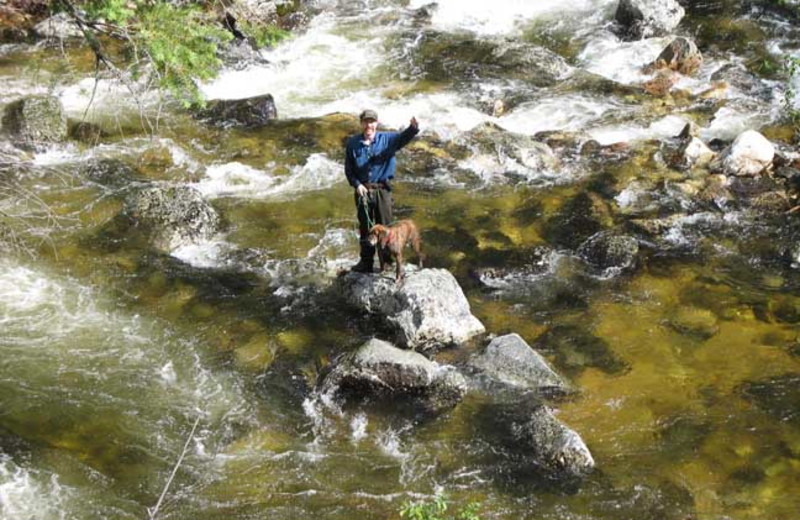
column 368, row 114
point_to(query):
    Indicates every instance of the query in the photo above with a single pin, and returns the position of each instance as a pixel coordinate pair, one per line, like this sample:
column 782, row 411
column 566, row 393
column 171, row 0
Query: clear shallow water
column 109, row 352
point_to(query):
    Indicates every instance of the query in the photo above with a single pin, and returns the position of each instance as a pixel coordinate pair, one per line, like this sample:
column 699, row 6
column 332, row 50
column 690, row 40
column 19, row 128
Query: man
column 369, row 166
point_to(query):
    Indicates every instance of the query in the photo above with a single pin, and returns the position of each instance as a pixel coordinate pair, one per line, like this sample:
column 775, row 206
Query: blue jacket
column 374, row 163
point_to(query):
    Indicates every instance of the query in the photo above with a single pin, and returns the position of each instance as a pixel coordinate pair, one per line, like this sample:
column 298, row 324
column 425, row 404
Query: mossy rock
column 35, row 120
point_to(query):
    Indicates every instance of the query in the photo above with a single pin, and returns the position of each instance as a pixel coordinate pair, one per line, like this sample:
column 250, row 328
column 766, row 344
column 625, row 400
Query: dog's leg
column 415, row 243
column 381, row 259
column 399, row 272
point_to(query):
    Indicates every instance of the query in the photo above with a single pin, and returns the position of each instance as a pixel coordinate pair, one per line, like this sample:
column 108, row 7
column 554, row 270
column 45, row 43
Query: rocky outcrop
column 250, row 112
column 428, row 311
column 645, row 18
column 173, row 216
column 35, row 121
column 609, row 250
column 378, row 370
column 681, row 55
column 58, row 27
column 511, row 361
column 749, row 154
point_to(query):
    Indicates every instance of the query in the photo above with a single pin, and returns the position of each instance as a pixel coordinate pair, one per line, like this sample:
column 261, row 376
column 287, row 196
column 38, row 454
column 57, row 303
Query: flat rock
column 429, row 310
column 510, row 360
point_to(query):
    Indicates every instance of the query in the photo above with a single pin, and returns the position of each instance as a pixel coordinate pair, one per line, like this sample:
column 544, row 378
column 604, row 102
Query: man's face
column 369, row 127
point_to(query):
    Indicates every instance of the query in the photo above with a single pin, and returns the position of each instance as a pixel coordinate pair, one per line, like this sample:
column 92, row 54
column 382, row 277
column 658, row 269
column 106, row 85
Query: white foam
column 309, row 70
column 606, row 56
column 571, row 113
column 358, row 427
column 503, row 16
column 27, row 494
column 666, row 127
column 57, row 330
column 235, row 179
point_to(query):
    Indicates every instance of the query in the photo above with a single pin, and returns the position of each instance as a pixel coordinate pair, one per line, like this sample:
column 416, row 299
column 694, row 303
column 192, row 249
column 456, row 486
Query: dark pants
column 375, row 208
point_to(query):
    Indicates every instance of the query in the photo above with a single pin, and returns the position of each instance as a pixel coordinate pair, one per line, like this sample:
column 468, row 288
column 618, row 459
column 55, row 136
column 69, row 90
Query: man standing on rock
column 369, row 166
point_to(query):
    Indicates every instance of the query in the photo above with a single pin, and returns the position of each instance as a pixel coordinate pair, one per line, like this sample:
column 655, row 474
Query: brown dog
column 393, row 239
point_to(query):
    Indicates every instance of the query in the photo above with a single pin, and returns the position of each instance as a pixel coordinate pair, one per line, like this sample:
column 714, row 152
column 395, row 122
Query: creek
column 687, row 364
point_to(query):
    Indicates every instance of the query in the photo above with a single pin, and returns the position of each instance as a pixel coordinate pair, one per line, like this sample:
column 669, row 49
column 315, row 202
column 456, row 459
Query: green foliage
column 174, row 42
column 437, row 510
column 265, row 36
column 181, row 44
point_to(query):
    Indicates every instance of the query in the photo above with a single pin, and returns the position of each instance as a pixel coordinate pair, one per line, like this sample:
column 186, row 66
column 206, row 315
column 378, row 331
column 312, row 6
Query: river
column 687, row 364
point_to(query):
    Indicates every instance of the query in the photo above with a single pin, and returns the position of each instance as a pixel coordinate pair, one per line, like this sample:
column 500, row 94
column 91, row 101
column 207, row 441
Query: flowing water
column 110, row 351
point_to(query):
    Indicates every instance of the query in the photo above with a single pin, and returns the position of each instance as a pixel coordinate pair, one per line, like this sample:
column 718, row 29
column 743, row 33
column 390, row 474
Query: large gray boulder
column 249, row 112
column 379, row 370
column 749, row 154
column 511, row 361
column 640, row 19
column 428, row 310
column 173, row 216
column 60, row 27
column 558, row 449
column 35, row 121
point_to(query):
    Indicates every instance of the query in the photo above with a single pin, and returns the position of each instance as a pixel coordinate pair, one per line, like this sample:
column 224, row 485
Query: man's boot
column 363, row 266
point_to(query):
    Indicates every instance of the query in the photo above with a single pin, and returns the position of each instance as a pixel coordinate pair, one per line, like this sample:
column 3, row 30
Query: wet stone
column 34, row 121
column 250, row 112
column 681, row 55
column 173, row 216
column 379, row 370
column 607, row 250
column 110, row 172
column 639, row 19
column 510, row 360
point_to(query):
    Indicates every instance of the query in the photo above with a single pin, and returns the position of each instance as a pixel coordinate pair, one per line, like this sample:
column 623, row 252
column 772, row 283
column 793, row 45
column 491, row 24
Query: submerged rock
column 35, row 120
column 511, row 153
column 694, row 321
column 640, row 19
column 442, row 56
column 606, row 250
column 578, row 219
column 378, row 370
column 250, row 112
column 110, row 172
column 777, row 396
column 749, row 154
column 428, row 310
column 510, row 360
column 173, row 216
